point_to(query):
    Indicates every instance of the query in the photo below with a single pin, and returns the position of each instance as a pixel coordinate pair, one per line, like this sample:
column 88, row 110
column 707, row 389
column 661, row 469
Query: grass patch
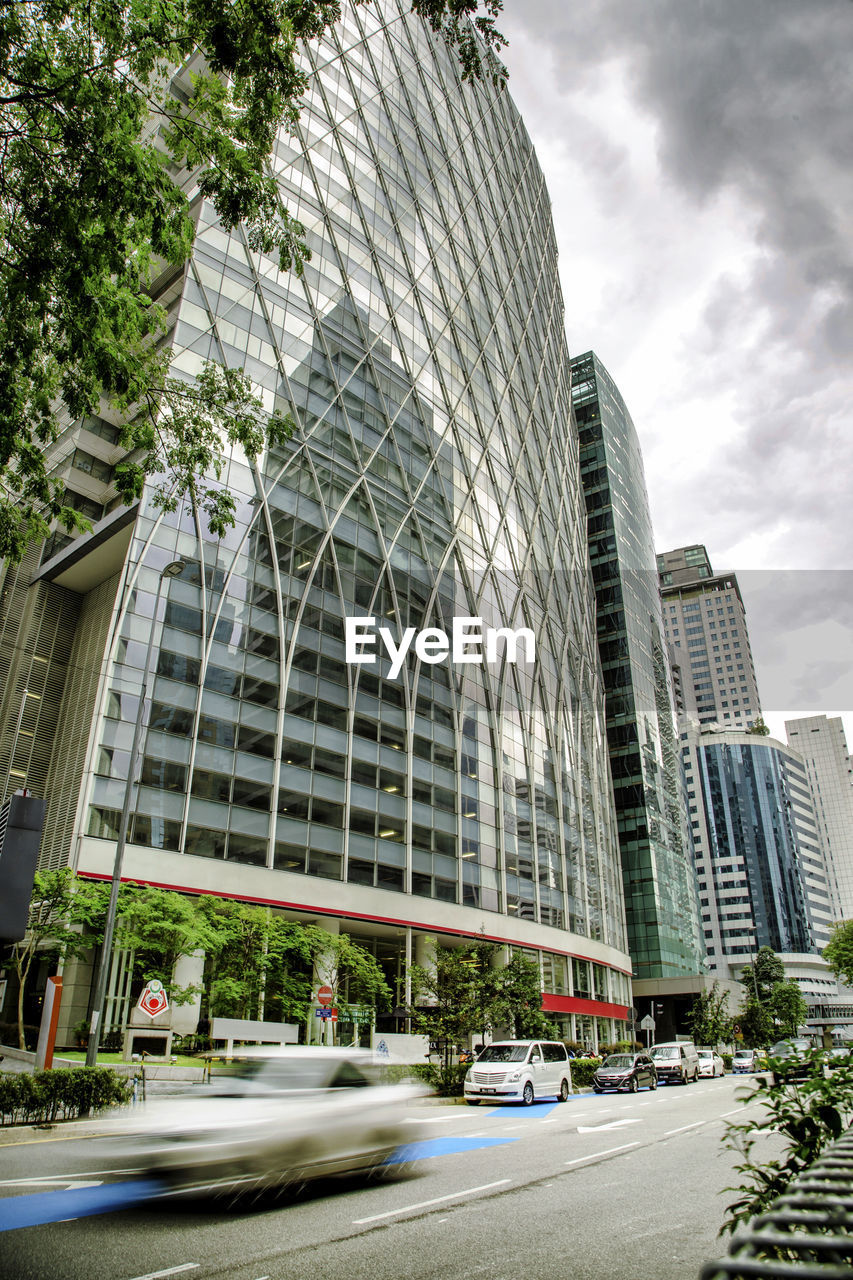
column 116, row 1059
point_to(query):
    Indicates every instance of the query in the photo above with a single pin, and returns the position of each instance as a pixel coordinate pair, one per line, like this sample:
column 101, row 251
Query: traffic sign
column 648, row 1023
column 153, row 1000
column 325, row 995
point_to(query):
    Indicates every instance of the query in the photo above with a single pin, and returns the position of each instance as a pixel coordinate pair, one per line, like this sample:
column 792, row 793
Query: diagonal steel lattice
column 806, row 1234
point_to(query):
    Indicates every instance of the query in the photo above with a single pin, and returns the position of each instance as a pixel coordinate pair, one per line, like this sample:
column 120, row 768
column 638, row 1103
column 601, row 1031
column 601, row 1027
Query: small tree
column 838, row 952
column 709, row 1020
column 762, row 976
column 759, row 728
column 756, row 1024
column 161, row 926
column 788, row 1007
column 66, row 917
column 520, row 999
column 445, row 1006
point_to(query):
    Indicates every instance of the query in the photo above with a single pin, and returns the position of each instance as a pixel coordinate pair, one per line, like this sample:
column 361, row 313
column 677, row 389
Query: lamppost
column 171, row 570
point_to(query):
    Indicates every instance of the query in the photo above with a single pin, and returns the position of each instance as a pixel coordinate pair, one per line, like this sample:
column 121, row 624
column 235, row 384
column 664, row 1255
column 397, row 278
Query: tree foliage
column 838, row 952
column 114, row 116
column 805, row 1118
column 710, row 1020
column 760, row 977
column 66, row 918
column 465, row 991
column 788, row 1008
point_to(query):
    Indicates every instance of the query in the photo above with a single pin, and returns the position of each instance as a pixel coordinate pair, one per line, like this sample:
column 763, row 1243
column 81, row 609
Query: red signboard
column 325, row 995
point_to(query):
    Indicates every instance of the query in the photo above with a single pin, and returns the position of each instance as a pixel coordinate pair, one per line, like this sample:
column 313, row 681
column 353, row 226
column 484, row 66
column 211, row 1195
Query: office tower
column 758, row 859
column 823, row 747
column 433, row 476
column 660, row 897
column 703, row 613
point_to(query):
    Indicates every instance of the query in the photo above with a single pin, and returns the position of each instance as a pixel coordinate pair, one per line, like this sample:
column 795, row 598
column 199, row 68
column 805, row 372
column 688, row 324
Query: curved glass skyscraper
column 433, row 476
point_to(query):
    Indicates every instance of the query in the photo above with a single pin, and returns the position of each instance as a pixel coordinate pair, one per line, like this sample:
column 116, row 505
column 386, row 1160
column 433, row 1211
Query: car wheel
column 562, row 1096
column 685, row 1079
column 473, row 1102
column 632, row 1085
column 653, row 1083
column 527, row 1094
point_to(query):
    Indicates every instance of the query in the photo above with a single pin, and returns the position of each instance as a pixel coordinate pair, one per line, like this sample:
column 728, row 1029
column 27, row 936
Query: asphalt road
column 600, row 1188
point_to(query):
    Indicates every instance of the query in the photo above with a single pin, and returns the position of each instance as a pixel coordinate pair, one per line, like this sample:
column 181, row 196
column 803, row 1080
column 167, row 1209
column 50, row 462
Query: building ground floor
column 585, row 984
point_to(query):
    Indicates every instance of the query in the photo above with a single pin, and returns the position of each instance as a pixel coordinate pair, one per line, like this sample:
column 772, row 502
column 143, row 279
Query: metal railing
column 805, row 1234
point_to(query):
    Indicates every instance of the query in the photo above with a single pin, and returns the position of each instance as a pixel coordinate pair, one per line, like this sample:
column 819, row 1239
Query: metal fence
column 806, row 1234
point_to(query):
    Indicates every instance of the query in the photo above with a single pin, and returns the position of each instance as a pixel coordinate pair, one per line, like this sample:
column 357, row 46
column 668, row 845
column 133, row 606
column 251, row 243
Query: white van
column 519, row 1071
column 677, row 1062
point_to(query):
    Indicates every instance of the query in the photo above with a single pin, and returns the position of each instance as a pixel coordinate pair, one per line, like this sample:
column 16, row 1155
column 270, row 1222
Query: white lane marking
column 681, row 1128
column 170, row 1271
column 461, row 1115
column 612, row 1124
column 408, row 1208
column 68, row 1183
column 70, row 1178
column 737, row 1111
column 609, row 1152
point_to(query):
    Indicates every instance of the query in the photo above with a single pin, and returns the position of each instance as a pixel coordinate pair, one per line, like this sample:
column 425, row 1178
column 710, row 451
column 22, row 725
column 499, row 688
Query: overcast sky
column 698, row 156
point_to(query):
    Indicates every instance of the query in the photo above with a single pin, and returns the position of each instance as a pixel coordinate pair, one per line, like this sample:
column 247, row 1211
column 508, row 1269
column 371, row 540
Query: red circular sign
column 325, row 995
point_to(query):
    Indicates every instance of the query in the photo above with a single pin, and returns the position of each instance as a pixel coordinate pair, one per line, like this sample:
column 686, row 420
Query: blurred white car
column 710, row 1063
column 273, row 1118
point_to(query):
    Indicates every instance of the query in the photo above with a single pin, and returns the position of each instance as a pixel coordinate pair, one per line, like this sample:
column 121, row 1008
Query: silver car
column 273, row 1119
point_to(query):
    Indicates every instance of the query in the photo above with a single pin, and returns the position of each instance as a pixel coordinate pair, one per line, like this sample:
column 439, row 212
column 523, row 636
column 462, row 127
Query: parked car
column 745, row 1061
column 519, row 1071
column 630, row 1071
column 794, row 1059
column 710, row 1063
column 274, row 1118
column 676, row 1062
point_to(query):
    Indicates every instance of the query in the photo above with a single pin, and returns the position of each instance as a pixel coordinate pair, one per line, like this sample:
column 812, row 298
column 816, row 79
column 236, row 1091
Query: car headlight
column 516, row 1075
column 468, row 1074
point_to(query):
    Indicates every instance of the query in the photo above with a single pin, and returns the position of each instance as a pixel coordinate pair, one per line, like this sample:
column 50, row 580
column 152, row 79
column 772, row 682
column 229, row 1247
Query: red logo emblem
column 153, row 999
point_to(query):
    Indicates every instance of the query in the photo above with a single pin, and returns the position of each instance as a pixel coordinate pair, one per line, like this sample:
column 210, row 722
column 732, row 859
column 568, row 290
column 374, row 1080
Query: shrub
column 583, row 1070
column 806, row 1116
column 446, row 1080
column 44, row 1096
column 727, row 1060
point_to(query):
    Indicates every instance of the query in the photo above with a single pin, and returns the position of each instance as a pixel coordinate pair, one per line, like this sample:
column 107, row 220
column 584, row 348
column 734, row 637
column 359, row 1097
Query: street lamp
column 172, row 570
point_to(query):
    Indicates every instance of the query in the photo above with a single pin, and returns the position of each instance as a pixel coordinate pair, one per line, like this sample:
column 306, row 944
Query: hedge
column 583, row 1070
column 40, row 1097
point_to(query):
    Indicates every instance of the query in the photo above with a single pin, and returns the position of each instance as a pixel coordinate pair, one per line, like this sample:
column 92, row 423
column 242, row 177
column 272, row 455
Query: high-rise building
column 758, row 859
column 704, row 615
column 822, row 744
column 433, row 476
column 660, row 895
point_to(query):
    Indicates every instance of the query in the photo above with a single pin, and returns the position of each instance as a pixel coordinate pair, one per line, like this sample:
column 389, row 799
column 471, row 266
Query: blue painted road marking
column 54, row 1206
column 536, row 1111
column 442, row 1147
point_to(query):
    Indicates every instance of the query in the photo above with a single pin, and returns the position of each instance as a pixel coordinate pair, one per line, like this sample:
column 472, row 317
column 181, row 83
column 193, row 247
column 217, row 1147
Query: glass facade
column 660, row 896
column 433, row 475
column 761, row 876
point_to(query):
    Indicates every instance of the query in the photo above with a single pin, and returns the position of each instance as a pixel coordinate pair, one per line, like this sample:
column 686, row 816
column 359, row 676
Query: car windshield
column 618, row 1060
column 668, row 1051
column 744, row 1053
column 705, row 1053
column 504, row 1053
